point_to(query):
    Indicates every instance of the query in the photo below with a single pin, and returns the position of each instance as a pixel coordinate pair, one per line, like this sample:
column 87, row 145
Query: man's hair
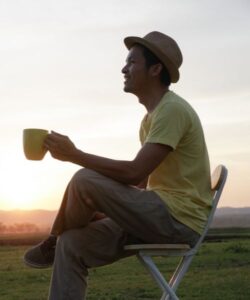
column 152, row 59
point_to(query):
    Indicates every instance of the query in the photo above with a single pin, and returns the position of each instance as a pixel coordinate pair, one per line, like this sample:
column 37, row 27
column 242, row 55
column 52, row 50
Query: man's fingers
column 54, row 138
column 57, row 134
column 49, row 143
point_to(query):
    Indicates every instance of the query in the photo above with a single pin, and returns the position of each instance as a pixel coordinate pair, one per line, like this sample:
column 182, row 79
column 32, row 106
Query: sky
column 60, row 69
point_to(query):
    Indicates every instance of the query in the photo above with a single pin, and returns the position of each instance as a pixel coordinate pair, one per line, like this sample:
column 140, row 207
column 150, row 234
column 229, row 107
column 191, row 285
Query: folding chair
column 144, row 252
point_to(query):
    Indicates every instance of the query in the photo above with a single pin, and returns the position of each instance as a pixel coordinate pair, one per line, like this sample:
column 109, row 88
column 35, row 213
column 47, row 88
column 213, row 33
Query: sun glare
column 21, row 183
column 19, row 189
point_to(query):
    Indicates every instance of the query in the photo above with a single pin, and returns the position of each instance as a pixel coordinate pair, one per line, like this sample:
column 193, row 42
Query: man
column 171, row 169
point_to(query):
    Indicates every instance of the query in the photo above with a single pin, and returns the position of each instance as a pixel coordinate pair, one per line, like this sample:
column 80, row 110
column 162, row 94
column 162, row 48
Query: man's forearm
column 128, row 172
column 119, row 170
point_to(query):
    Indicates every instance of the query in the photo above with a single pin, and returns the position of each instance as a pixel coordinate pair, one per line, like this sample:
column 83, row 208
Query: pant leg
column 141, row 213
column 73, row 212
column 97, row 244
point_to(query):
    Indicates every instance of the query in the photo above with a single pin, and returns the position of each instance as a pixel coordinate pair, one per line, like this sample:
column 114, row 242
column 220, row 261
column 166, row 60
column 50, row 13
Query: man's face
column 135, row 72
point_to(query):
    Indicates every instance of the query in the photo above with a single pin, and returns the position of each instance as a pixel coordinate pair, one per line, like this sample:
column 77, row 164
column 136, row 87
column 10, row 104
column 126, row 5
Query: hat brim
column 170, row 66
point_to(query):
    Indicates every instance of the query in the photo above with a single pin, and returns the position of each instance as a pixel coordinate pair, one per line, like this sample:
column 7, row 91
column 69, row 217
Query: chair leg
column 180, row 271
column 164, row 296
column 157, row 276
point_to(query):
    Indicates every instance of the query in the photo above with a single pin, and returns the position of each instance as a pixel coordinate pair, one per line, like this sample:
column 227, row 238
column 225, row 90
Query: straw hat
column 164, row 47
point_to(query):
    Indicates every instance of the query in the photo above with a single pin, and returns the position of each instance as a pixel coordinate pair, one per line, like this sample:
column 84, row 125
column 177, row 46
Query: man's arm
column 128, row 172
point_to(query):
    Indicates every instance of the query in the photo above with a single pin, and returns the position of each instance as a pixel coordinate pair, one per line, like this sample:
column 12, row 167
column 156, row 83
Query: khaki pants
column 133, row 216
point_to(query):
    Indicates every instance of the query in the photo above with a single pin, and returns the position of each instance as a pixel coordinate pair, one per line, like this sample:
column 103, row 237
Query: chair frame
column 144, row 252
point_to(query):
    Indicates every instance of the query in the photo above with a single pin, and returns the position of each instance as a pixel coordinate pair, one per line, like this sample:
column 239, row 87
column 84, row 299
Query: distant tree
column 3, row 228
column 25, row 227
column 21, row 228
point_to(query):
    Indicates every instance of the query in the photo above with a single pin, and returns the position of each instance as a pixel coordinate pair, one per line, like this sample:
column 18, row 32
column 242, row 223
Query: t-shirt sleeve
column 168, row 125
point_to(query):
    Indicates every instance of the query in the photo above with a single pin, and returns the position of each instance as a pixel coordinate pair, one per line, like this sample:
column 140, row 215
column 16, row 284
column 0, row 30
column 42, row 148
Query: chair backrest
column 218, row 181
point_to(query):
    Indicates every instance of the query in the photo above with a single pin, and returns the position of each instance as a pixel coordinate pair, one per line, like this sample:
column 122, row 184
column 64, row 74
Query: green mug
column 33, row 143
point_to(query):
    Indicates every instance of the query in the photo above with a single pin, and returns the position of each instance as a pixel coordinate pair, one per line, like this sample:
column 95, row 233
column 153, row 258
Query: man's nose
column 124, row 69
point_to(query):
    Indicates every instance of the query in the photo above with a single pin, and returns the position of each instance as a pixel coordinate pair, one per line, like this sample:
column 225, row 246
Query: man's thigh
column 139, row 212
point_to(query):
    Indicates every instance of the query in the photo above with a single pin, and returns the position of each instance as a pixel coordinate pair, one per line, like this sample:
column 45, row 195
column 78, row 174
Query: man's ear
column 155, row 69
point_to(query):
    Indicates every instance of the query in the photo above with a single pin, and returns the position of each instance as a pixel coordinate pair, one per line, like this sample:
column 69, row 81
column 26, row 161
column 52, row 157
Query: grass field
column 221, row 270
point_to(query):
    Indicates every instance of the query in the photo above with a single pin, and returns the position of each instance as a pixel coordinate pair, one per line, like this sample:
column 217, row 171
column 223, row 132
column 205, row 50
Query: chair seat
column 160, row 249
column 157, row 247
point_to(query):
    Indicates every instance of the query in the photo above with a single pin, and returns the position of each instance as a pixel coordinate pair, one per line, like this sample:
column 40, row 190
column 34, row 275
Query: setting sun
column 24, row 183
column 19, row 189
column 27, row 184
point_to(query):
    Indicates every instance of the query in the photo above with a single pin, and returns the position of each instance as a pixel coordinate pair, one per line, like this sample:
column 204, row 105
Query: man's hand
column 98, row 216
column 60, row 146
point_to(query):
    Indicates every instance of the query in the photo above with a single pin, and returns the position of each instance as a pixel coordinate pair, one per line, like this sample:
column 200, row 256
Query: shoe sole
column 36, row 266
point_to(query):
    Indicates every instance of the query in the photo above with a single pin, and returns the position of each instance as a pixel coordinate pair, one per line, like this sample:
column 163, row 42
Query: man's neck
column 152, row 98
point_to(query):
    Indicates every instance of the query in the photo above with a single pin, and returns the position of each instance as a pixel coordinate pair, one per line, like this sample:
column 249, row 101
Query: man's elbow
column 135, row 178
column 133, row 174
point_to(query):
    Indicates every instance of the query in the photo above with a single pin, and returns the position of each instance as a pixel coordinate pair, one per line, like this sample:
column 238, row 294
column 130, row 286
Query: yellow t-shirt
column 182, row 180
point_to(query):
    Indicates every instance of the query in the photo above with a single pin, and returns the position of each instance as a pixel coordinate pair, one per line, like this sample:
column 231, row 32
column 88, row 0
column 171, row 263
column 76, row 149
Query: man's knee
column 85, row 173
column 84, row 177
column 74, row 242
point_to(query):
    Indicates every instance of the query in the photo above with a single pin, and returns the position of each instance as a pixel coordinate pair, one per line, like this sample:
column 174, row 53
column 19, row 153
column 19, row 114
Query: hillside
column 224, row 217
column 42, row 218
column 232, row 217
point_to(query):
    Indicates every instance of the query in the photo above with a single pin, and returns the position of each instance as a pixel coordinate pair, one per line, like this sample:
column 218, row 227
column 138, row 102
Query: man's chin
column 126, row 89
